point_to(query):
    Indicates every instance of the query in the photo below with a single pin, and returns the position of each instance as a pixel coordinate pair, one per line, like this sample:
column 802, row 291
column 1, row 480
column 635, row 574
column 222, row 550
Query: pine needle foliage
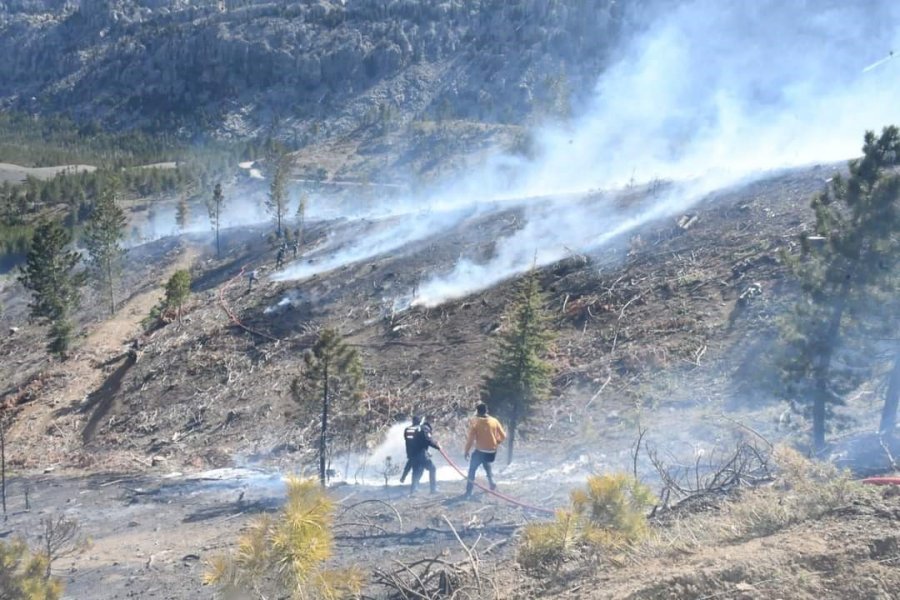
column 332, row 375
column 103, row 237
column 182, row 212
column 545, row 546
column 855, row 221
column 49, row 274
column 608, row 515
column 612, row 509
column 22, row 574
column 520, row 376
column 277, row 203
column 178, row 288
column 214, row 208
column 284, row 556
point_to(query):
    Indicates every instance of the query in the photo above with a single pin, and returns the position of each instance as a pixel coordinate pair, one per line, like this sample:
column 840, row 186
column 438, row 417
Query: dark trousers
column 419, row 466
column 480, row 459
column 406, row 469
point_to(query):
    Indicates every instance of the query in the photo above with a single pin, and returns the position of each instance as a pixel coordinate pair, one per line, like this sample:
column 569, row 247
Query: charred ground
column 671, row 325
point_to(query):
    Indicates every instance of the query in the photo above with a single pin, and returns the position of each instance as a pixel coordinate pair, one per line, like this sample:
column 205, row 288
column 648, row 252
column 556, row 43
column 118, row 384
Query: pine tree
column 284, row 556
column 520, row 377
column 332, row 374
column 855, row 220
column 103, row 237
column 49, row 275
column 178, row 288
column 214, row 208
column 22, row 574
column 277, row 203
column 301, row 217
column 182, row 212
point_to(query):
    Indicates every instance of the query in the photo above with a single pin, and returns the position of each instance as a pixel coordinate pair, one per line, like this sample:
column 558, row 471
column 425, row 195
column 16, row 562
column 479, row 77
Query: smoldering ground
column 709, row 95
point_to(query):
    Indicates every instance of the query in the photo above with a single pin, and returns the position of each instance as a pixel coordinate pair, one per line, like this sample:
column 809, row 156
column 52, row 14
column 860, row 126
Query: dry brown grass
column 803, row 490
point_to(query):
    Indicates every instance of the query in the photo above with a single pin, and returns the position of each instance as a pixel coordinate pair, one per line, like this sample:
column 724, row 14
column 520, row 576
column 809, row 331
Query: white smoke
column 366, row 237
column 370, row 468
column 713, row 92
column 710, row 94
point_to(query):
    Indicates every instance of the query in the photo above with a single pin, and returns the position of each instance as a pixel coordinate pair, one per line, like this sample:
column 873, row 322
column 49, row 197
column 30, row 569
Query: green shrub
column 22, row 574
column 608, row 514
column 545, row 546
column 283, row 557
column 612, row 508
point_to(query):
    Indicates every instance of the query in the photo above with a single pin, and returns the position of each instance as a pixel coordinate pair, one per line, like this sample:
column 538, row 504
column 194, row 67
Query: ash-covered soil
column 667, row 329
column 151, row 536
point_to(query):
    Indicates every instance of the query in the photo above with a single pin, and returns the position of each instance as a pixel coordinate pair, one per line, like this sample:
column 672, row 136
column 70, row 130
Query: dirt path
column 89, row 384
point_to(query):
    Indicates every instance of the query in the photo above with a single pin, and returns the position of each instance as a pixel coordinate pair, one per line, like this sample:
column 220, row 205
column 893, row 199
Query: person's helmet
column 481, row 409
column 417, row 420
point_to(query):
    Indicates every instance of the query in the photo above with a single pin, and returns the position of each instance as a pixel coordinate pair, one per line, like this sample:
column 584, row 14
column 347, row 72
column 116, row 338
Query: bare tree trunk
column 3, row 464
column 824, row 366
column 891, row 398
column 513, row 424
column 323, row 439
column 109, row 282
column 819, row 414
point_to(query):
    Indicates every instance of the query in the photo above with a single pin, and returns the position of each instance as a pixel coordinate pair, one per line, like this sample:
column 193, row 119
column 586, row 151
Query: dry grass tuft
column 607, row 515
column 803, row 490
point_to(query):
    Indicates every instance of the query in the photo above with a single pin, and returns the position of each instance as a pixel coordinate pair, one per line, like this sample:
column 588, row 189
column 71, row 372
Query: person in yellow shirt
column 485, row 433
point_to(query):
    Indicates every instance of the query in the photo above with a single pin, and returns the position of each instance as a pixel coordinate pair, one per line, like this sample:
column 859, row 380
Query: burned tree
column 520, row 377
column 60, row 537
column 332, row 374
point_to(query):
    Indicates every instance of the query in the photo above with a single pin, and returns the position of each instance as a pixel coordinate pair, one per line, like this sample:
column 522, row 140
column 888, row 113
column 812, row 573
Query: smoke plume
column 709, row 95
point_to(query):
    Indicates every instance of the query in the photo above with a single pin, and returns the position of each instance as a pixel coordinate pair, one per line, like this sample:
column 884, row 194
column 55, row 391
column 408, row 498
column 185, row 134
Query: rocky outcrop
column 140, row 62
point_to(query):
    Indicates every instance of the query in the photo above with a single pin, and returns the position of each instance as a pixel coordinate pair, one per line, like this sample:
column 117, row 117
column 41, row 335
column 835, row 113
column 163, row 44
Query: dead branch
column 887, row 450
column 373, row 501
column 598, row 392
column 636, row 451
column 749, row 429
column 715, row 472
column 60, row 537
column 424, row 584
column 473, row 560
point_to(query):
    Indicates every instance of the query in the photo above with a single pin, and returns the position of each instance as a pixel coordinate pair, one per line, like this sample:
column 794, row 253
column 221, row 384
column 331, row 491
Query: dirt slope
column 664, row 327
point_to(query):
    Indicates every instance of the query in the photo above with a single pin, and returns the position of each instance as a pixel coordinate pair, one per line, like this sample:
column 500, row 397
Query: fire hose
column 231, row 315
column 882, row 480
column 236, row 321
column 504, row 497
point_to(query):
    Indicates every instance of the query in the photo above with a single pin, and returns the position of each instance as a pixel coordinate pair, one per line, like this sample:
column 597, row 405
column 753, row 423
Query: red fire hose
column 882, row 480
column 230, row 313
column 509, row 499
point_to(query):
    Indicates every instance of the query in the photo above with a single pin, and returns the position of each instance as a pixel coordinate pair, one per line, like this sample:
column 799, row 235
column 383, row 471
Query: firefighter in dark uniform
column 409, row 437
column 418, row 444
